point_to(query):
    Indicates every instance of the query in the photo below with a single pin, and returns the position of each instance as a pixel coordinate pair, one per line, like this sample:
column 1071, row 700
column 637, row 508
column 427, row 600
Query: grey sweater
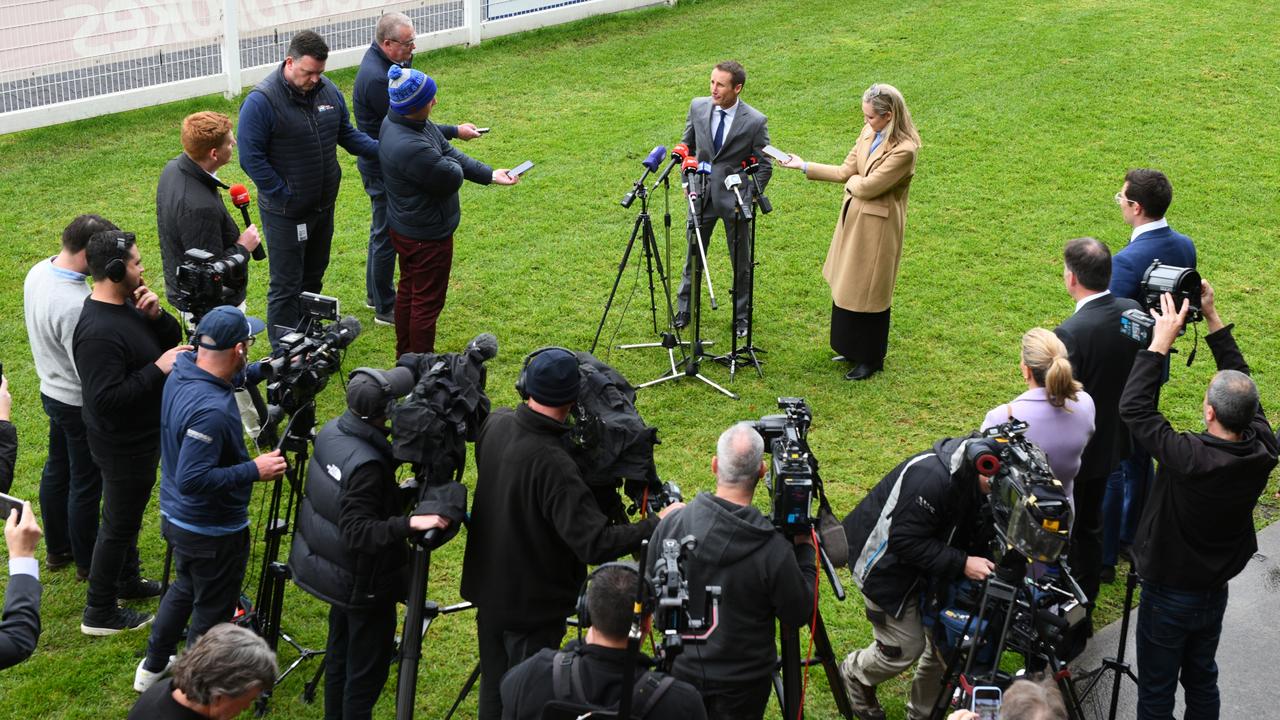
column 51, row 299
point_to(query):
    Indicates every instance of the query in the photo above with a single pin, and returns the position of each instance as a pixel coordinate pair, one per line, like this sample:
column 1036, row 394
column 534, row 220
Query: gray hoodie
column 763, row 577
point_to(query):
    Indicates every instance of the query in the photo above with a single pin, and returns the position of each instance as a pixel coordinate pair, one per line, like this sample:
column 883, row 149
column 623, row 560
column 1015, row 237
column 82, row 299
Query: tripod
column 787, row 684
column 274, row 574
column 1116, row 667
column 746, row 352
column 643, row 228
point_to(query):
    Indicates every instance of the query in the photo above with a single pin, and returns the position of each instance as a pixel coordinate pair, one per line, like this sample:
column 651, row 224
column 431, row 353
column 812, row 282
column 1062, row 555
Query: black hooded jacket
column 762, row 575
column 914, row 527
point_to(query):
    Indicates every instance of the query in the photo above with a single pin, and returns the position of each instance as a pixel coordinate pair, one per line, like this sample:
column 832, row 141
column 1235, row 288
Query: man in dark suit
column 724, row 131
column 1100, row 359
column 20, row 627
column 1143, row 201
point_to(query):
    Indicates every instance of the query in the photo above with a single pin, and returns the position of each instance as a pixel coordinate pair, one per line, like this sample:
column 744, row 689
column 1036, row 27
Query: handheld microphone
column 678, row 154
column 240, row 198
column 689, row 167
column 704, row 168
column 650, row 164
column 731, row 183
column 750, row 166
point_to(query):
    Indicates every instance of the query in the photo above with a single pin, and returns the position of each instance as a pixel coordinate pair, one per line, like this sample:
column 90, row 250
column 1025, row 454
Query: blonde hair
column 1046, row 357
column 885, row 98
column 204, row 131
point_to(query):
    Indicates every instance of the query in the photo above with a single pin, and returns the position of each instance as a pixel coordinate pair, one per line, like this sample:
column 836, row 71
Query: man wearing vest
column 590, row 675
column 393, row 44
column 350, row 548
column 290, row 125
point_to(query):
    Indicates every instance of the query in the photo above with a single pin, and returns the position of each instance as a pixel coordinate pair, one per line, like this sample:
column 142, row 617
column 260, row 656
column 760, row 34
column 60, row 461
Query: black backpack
column 570, row 703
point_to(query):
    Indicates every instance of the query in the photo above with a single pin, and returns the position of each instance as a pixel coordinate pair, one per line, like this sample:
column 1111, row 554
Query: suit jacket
column 1164, row 244
column 20, row 627
column 862, row 263
column 747, row 136
column 1100, row 359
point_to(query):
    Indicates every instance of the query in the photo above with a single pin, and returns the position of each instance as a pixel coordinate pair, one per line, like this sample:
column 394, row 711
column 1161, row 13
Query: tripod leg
column 791, row 680
column 309, row 690
column 822, row 644
column 466, row 690
column 622, row 266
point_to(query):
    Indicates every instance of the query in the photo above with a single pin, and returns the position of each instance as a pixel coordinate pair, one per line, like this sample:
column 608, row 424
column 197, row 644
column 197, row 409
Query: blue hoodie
column 206, row 476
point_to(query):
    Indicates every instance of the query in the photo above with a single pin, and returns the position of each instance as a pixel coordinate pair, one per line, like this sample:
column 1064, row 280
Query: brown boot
column 862, row 698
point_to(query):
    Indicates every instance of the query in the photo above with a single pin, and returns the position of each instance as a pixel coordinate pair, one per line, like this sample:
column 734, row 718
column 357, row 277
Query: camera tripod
column 789, row 680
column 1006, row 607
column 265, row 616
column 1116, row 667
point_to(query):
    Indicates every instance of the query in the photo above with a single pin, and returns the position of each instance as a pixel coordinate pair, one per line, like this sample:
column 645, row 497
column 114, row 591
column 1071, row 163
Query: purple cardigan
column 1061, row 432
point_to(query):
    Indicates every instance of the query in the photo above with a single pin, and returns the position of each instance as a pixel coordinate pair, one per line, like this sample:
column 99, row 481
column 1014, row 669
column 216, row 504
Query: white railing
column 64, row 60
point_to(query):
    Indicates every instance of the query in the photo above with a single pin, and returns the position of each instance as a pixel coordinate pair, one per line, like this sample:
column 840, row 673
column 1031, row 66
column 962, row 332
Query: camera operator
column 120, row 351
column 762, row 576
column 350, row 547
column 206, row 482
column 218, row 678
column 914, row 530
column 599, row 664
column 534, row 526
column 1196, row 531
column 190, row 213
column 20, row 627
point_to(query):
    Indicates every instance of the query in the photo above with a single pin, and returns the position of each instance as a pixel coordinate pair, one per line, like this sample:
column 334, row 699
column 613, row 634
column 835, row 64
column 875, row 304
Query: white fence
column 63, row 60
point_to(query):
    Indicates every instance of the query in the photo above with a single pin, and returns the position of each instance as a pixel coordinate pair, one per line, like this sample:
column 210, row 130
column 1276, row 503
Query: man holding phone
column 422, row 173
column 21, row 625
column 124, row 346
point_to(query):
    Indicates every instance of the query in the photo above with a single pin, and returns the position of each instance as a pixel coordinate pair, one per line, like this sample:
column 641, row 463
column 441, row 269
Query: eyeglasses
column 1121, row 199
column 248, row 342
column 410, row 44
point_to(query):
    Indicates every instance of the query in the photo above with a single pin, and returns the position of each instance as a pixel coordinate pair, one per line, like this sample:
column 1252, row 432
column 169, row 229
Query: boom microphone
column 484, row 346
column 240, row 198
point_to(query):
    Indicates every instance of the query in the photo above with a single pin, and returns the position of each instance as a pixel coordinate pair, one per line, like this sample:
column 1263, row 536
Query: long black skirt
column 860, row 337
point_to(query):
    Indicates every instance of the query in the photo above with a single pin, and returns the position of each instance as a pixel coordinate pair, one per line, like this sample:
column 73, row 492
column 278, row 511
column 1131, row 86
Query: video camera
column 793, row 478
column 671, row 614
column 206, row 283
column 304, row 359
column 1182, row 283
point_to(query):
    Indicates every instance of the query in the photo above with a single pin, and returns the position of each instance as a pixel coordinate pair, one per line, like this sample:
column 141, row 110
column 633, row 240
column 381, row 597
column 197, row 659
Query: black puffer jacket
column 913, row 527
column 190, row 215
column 422, row 173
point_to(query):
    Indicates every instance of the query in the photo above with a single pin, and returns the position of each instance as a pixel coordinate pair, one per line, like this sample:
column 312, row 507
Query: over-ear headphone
column 116, row 268
column 646, row 592
column 379, row 377
column 524, row 369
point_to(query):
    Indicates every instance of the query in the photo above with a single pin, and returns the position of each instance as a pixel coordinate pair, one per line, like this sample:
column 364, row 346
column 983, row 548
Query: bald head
column 738, row 457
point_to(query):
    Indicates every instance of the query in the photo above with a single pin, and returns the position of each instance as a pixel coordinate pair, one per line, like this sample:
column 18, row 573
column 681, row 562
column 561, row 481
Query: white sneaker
column 143, row 678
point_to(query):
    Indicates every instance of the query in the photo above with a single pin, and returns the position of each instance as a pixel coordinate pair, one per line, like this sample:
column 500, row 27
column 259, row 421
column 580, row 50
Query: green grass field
column 1030, row 113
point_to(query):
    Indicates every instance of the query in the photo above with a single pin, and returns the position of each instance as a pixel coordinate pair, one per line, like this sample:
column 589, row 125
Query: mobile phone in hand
column 482, row 131
column 986, row 702
column 520, row 169
column 8, row 502
column 775, row 153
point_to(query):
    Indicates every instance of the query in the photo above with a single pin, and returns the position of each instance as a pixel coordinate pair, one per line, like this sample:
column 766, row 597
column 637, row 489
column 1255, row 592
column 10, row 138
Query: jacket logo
column 925, row 504
column 199, row 436
column 323, row 108
column 334, row 472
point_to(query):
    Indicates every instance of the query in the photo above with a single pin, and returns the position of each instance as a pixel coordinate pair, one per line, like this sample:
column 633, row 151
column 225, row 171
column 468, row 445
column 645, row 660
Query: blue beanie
column 409, row 90
column 552, row 377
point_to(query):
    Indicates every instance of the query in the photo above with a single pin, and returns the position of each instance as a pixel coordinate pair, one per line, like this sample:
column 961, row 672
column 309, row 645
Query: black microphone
column 750, row 166
column 484, row 346
column 240, row 198
column 650, row 164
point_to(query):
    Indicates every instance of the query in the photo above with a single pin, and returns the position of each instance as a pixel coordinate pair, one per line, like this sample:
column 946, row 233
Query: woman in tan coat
column 862, row 263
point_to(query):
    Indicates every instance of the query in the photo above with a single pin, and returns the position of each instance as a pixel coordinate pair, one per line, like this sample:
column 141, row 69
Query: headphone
column 379, row 377
column 116, row 268
column 646, row 593
column 524, row 371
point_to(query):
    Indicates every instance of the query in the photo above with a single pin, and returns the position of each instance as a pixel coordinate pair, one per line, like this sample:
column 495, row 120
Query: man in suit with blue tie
column 724, row 131
column 1143, row 201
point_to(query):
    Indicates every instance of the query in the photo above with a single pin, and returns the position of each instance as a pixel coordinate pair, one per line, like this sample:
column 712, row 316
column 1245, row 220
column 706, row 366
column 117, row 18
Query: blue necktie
column 719, row 138
column 875, row 144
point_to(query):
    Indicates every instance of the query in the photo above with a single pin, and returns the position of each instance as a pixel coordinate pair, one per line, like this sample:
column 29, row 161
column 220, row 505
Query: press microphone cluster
column 240, row 198
column 751, row 166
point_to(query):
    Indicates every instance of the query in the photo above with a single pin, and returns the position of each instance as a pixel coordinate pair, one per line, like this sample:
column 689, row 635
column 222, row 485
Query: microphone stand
column 745, row 354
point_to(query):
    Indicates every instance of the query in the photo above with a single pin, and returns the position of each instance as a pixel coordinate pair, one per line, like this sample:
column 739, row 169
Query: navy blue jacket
column 422, row 173
column 370, row 102
column 206, row 476
column 1165, row 244
column 288, row 144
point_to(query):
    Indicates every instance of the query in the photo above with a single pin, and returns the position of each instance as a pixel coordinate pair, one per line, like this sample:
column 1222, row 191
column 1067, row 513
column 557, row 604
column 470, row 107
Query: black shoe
column 1107, row 576
column 1126, row 553
column 386, row 318
column 138, row 588
column 57, row 561
column 100, row 622
column 862, row 372
column 82, row 574
column 681, row 320
column 740, row 329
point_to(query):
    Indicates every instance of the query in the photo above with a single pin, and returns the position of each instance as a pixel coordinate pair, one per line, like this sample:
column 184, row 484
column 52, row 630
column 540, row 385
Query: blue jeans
column 1177, row 637
column 1122, row 504
column 70, row 486
column 380, row 267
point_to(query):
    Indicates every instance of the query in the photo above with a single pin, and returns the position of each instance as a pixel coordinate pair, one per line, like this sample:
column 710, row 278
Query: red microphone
column 690, row 165
column 240, row 198
column 680, row 150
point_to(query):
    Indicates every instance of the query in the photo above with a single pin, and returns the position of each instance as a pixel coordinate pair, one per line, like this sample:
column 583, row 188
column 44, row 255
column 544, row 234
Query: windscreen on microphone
column 704, row 168
column 485, row 346
column 690, row 165
column 655, row 158
column 680, row 151
column 732, row 182
column 239, row 195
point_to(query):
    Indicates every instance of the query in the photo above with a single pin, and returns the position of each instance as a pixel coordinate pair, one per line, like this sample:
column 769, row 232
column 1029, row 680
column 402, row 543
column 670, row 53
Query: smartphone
column 482, row 131
column 775, row 153
column 8, row 502
column 520, row 169
column 986, row 702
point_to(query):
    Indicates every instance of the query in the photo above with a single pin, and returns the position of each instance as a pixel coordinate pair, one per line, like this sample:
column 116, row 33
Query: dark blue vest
column 304, row 140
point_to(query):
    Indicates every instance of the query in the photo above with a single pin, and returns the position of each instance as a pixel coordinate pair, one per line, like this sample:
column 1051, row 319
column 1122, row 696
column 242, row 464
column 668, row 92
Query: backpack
column 566, row 684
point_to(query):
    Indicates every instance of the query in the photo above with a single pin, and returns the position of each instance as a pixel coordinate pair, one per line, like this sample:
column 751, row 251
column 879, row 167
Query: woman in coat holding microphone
column 862, row 264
